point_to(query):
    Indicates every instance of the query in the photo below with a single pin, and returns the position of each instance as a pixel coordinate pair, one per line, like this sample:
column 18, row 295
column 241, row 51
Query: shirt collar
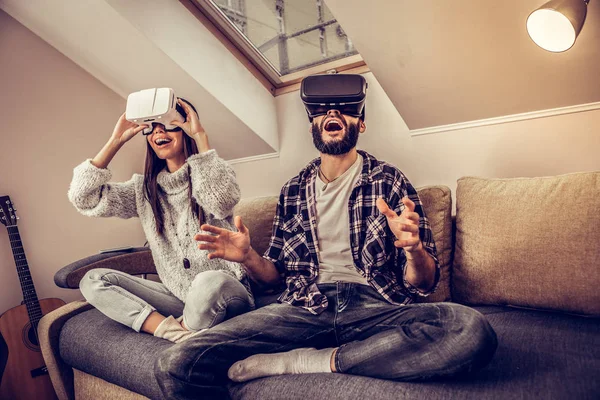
column 370, row 169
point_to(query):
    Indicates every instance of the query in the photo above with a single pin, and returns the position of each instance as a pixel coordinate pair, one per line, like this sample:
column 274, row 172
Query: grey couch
column 497, row 255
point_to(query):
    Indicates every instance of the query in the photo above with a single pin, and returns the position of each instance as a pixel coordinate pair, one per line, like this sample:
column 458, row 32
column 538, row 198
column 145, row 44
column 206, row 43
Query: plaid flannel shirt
column 294, row 245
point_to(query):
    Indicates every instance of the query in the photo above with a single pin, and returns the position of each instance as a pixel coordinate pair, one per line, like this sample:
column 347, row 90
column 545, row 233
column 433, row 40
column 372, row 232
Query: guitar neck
column 29, row 294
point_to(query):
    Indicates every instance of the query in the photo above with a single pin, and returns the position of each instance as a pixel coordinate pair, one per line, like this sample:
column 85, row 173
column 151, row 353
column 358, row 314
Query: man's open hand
column 225, row 244
column 404, row 226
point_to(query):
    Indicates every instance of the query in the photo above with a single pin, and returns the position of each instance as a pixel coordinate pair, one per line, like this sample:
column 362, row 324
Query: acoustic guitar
column 25, row 375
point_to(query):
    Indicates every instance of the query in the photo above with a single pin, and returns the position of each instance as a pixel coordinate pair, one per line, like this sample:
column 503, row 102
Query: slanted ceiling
column 137, row 44
column 444, row 62
column 440, row 62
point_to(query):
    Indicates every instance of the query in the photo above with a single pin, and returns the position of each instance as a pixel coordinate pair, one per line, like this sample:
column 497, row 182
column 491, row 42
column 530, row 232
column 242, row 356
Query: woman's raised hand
column 192, row 126
column 125, row 130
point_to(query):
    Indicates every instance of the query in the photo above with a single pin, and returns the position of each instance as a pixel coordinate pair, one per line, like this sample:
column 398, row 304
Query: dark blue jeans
column 375, row 338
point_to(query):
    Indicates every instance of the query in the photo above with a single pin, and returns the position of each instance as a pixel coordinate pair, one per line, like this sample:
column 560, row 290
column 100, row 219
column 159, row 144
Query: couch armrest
column 49, row 329
column 136, row 261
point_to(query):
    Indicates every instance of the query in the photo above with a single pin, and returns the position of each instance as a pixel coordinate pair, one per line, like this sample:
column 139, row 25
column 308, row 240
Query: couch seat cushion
column 93, row 343
column 540, row 355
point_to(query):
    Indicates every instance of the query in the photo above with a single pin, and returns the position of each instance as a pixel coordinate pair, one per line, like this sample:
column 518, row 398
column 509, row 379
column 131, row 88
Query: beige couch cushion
column 531, row 242
column 437, row 203
column 257, row 214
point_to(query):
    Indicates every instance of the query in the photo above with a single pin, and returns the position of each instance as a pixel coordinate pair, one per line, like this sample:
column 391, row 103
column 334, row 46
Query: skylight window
column 285, row 39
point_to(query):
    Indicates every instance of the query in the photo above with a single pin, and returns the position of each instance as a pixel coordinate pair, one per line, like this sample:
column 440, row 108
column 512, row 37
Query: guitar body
column 24, row 355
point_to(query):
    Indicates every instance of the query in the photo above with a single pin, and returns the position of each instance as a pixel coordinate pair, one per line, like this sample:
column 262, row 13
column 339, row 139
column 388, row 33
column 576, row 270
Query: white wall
column 126, row 48
column 54, row 115
column 548, row 146
column 200, row 54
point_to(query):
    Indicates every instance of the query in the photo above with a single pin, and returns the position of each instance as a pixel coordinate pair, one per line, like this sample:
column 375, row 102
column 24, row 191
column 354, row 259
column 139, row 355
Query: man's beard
column 337, row 147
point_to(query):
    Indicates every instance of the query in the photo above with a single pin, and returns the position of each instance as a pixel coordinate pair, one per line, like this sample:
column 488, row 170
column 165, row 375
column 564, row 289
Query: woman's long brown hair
column 153, row 167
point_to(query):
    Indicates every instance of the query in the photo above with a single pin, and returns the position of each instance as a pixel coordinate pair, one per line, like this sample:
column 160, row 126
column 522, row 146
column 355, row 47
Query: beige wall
column 54, row 115
column 438, row 60
column 547, row 146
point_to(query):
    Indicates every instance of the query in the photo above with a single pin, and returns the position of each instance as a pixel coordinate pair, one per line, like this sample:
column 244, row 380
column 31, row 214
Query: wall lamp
column 555, row 25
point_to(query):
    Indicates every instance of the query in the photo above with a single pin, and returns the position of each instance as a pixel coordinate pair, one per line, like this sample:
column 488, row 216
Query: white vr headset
column 157, row 105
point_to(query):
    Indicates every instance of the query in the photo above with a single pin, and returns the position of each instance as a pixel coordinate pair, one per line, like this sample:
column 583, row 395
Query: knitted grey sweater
column 214, row 188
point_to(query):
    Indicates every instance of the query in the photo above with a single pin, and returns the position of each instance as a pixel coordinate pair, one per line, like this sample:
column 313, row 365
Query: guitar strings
column 29, row 296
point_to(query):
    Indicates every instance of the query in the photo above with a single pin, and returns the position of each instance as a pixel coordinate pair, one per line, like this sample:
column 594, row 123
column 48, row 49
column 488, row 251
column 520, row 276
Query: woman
column 185, row 184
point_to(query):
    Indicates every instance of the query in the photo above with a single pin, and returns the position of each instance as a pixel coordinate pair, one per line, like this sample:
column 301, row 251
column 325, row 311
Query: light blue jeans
column 213, row 297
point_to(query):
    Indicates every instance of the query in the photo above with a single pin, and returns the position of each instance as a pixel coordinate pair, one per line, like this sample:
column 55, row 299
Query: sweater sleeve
column 93, row 196
column 214, row 185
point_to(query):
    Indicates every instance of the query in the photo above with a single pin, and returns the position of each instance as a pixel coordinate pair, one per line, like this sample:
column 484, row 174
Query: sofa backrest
column 437, row 203
column 530, row 242
column 258, row 213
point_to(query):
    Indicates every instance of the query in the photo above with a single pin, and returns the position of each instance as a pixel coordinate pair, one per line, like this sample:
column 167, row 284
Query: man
column 354, row 247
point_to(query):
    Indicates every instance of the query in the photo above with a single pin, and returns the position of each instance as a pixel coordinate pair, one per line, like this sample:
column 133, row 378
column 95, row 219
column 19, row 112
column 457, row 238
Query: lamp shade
column 555, row 25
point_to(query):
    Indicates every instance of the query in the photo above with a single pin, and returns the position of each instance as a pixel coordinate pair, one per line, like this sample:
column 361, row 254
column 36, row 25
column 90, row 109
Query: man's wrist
column 417, row 252
column 420, row 269
column 248, row 256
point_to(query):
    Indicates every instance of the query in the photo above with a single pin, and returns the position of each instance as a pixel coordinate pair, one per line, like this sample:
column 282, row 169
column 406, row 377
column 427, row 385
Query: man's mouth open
column 333, row 126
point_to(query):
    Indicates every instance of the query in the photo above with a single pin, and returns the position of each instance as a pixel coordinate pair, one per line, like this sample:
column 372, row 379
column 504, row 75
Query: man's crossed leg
column 366, row 336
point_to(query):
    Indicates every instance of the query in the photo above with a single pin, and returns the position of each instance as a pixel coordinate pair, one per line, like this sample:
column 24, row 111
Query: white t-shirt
column 333, row 227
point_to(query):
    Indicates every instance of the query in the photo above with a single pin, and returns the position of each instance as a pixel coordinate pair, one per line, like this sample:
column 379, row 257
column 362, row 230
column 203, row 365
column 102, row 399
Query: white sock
column 171, row 329
column 299, row 361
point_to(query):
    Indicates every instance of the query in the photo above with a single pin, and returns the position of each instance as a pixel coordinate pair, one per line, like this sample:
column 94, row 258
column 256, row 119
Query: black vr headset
column 344, row 92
